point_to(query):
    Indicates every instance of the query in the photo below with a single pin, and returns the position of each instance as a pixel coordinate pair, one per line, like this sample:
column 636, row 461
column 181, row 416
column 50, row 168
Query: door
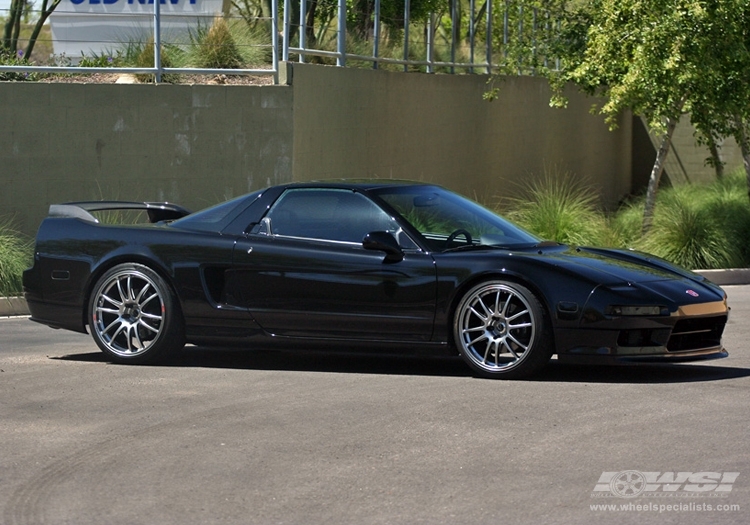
column 304, row 271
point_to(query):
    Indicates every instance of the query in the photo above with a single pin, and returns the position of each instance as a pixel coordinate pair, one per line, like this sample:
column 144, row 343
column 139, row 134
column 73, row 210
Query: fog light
column 634, row 310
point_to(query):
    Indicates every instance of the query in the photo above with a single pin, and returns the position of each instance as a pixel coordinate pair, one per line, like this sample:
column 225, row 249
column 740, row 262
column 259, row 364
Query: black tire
column 501, row 331
column 134, row 316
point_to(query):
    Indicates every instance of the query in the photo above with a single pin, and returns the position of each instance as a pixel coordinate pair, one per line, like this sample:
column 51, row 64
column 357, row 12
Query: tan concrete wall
column 194, row 145
column 197, row 145
column 693, row 157
column 437, row 128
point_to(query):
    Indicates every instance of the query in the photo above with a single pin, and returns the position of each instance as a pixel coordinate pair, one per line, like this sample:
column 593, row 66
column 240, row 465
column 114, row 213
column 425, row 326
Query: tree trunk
column 656, row 172
column 310, row 24
column 14, row 15
column 39, row 23
column 742, row 138
column 16, row 25
column 715, row 157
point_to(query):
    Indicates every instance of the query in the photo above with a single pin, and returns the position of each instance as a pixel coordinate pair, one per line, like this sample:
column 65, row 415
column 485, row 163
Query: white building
column 100, row 27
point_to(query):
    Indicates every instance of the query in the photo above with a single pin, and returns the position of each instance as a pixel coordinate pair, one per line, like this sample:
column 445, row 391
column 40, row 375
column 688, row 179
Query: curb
column 726, row 277
column 14, row 306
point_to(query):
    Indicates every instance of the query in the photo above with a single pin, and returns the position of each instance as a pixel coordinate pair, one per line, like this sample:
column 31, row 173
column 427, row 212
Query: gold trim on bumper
column 690, row 310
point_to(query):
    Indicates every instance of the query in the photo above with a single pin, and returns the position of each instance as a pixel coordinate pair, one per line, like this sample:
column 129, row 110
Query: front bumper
column 641, row 355
column 691, row 333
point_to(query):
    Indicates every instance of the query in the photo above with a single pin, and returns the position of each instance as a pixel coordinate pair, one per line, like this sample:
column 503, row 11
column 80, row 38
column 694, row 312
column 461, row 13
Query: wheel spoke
column 517, row 326
column 129, row 338
column 152, row 297
column 475, row 341
column 117, row 332
column 110, row 325
column 123, row 295
column 109, row 299
column 516, row 316
column 504, row 311
column 496, row 344
column 510, row 349
column 148, row 326
column 487, row 351
column 137, row 337
column 497, row 303
column 143, row 291
column 129, row 287
column 153, row 317
column 519, row 343
column 480, row 316
column 487, row 311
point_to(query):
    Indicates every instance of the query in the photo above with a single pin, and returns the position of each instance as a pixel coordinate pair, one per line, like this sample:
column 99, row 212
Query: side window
column 328, row 214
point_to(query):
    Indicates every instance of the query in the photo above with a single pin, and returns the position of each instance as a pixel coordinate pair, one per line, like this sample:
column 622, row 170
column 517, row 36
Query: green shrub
column 216, row 48
column 103, row 60
column 142, row 55
column 684, row 233
column 561, row 209
column 16, row 59
column 696, row 226
column 227, row 45
column 15, row 257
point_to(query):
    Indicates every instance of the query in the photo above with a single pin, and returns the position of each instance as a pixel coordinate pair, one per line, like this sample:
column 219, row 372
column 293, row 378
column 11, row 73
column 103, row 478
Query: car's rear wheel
column 501, row 331
column 134, row 316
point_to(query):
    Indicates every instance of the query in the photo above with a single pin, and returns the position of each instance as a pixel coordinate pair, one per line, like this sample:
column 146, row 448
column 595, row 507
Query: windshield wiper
column 464, row 247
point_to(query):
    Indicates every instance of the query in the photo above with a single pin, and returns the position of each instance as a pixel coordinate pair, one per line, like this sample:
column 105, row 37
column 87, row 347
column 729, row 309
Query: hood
column 629, row 277
column 617, row 266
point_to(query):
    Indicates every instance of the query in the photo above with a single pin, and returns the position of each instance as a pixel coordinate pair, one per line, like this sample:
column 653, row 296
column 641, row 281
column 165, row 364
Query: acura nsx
column 348, row 265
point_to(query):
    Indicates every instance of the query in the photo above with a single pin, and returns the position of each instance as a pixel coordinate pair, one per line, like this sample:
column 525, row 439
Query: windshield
column 448, row 221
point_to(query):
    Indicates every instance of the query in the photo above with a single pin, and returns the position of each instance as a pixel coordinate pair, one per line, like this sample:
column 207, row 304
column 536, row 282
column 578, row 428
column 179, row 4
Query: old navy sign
column 143, row 2
column 101, row 27
column 138, row 6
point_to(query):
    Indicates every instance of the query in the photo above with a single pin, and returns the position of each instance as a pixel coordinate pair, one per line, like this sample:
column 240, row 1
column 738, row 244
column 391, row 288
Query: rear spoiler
column 157, row 211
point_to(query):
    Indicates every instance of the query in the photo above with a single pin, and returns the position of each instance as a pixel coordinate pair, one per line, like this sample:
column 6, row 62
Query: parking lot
column 258, row 437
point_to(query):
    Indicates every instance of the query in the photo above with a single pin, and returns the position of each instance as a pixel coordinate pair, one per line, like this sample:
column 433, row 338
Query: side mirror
column 384, row 242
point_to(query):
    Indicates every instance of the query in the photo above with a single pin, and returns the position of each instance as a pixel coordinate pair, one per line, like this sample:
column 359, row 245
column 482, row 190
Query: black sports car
column 362, row 265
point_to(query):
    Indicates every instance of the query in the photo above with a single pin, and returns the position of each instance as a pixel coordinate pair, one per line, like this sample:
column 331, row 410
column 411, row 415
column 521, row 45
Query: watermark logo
column 634, row 483
column 627, row 484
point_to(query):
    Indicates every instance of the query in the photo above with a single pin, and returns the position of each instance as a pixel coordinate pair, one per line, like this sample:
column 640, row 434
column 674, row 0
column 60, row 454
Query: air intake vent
column 694, row 334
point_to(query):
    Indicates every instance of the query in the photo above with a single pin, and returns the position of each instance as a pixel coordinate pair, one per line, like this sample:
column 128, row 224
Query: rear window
column 217, row 217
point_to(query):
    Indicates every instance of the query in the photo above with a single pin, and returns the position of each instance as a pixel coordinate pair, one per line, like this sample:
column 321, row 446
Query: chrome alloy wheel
column 496, row 327
column 128, row 312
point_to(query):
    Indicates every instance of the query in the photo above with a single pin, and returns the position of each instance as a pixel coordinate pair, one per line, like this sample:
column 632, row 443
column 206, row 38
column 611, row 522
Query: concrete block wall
column 194, row 145
column 198, row 145
column 437, row 128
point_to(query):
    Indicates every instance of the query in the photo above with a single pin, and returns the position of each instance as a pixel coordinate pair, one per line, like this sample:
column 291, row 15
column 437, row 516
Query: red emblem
column 692, row 292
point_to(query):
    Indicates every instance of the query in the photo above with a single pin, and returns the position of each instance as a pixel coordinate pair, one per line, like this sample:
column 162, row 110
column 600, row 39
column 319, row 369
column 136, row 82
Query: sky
column 5, row 5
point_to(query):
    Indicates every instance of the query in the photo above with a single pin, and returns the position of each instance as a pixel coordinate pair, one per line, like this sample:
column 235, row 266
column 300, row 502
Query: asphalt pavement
column 259, row 437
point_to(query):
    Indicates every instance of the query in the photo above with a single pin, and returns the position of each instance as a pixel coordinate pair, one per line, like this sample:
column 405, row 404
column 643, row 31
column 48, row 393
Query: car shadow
column 408, row 365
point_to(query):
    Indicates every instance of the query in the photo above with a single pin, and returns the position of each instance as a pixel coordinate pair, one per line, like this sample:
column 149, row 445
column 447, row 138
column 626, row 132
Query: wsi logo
column 632, row 483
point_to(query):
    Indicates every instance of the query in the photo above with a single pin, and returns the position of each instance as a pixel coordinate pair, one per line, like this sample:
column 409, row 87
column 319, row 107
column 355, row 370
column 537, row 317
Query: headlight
column 636, row 310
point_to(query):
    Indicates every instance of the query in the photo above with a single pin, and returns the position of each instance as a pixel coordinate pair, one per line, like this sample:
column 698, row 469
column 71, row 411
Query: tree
column 659, row 58
column 723, row 109
column 19, row 9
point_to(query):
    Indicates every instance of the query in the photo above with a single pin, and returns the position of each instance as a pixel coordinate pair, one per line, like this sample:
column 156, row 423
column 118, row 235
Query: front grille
column 694, row 334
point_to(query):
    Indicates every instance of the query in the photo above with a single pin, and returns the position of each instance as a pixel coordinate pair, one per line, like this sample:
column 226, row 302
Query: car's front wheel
column 134, row 316
column 500, row 330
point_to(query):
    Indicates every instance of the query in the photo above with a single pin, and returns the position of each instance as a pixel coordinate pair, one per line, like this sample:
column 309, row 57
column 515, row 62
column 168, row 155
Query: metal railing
column 342, row 56
column 520, row 27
